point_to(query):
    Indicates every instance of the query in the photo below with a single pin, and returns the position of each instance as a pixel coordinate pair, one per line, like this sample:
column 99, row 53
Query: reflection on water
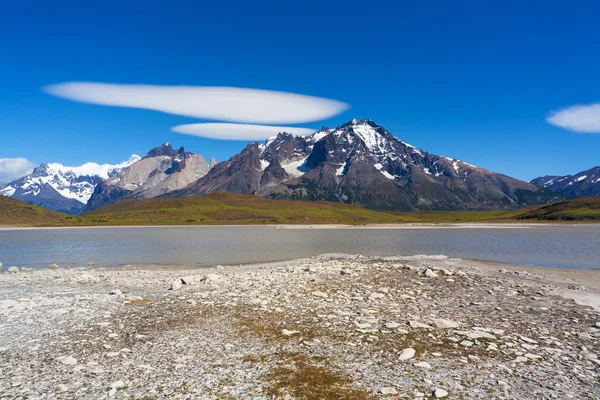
column 557, row 246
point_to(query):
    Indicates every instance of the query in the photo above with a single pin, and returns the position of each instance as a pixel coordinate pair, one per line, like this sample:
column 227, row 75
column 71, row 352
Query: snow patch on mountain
column 77, row 183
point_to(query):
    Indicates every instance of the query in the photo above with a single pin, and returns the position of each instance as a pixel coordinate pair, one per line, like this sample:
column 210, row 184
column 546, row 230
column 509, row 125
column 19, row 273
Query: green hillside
column 16, row 212
column 578, row 209
column 229, row 208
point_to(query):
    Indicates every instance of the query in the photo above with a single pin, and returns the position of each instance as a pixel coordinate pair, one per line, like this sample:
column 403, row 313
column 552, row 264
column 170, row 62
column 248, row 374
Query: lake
column 568, row 246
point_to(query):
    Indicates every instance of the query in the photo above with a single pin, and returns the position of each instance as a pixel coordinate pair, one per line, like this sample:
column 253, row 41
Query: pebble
column 442, row 323
column 439, row 393
column 388, row 390
column 13, row 269
column 419, row 325
column 286, row 332
column 322, row 295
column 423, row 364
column 407, row 354
column 430, row 274
column 116, row 292
column 176, row 284
column 67, row 360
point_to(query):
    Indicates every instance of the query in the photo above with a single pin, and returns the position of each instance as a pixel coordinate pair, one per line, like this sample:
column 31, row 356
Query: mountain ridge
column 584, row 183
column 361, row 163
column 62, row 188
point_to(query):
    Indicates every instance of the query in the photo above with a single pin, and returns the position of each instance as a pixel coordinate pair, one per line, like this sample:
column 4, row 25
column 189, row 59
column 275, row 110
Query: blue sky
column 470, row 80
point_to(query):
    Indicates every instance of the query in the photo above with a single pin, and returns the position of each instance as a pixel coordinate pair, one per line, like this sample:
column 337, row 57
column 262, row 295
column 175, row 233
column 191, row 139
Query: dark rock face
column 165, row 150
column 362, row 163
column 585, row 183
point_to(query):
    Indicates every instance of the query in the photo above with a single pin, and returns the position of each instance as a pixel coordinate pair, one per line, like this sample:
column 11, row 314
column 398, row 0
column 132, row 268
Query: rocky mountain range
column 585, row 183
column 75, row 190
column 361, row 163
column 62, row 188
column 358, row 163
column 163, row 170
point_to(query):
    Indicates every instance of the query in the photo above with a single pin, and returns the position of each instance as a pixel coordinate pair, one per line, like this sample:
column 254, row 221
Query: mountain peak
column 166, row 149
column 355, row 122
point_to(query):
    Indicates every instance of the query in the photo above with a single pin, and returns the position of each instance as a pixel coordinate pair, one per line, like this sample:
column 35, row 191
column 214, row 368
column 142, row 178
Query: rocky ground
column 329, row 327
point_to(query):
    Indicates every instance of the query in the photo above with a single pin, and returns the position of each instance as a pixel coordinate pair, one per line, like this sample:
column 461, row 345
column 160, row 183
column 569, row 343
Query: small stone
column 439, row 393
column 521, row 359
column 53, row 266
column 419, row 325
column 533, row 356
column 363, row 326
column 346, row 272
column 407, row 354
column 597, row 325
column 67, row 360
column 442, row 323
column 176, row 284
column 112, row 354
column 374, row 296
column 62, row 388
column 116, row 292
column 286, row 332
column 392, row 325
column 423, row 364
column 430, row 274
column 388, row 390
column 322, row 295
column 466, row 343
column 113, row 335
column 13, row 269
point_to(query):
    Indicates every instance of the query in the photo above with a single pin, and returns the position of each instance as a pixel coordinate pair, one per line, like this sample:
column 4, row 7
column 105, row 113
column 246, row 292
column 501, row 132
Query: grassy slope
column 16, row 212
column 578, row 209
column 228, row 208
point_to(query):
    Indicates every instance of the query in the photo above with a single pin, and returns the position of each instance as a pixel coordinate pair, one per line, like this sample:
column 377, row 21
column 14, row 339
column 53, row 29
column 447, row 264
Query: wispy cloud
column 237, row 131
column 578, row 118
column 14, row 168
column 229, row 104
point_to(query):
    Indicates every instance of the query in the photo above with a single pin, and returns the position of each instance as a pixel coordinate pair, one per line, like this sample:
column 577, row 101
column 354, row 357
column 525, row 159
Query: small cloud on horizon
column 238, row 131
column 231, row 104
column 14, row 168
column 582, row 118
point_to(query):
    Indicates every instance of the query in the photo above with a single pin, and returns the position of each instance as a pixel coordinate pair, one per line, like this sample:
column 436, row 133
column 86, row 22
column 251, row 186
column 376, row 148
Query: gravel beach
column 328, row 327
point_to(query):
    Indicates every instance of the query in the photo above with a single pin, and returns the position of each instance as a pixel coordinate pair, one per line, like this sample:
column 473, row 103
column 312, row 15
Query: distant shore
column 411, row 225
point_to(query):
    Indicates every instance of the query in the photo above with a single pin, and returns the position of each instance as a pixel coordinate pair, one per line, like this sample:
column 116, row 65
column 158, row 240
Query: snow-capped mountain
column 361, row 163
column 161, row 171
column 62, row 188
column 585, row 183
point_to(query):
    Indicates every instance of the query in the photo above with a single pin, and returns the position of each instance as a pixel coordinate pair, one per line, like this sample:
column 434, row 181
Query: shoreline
column 469, row 225
column 373, row 326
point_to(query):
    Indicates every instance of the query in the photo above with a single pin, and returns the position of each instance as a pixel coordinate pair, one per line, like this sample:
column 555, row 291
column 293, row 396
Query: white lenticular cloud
column 215, row 103
column 579, row 118
column 14, row 168
column 238, row 131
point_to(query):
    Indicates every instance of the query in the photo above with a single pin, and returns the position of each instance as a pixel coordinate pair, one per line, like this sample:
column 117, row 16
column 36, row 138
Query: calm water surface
column 552, row 246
